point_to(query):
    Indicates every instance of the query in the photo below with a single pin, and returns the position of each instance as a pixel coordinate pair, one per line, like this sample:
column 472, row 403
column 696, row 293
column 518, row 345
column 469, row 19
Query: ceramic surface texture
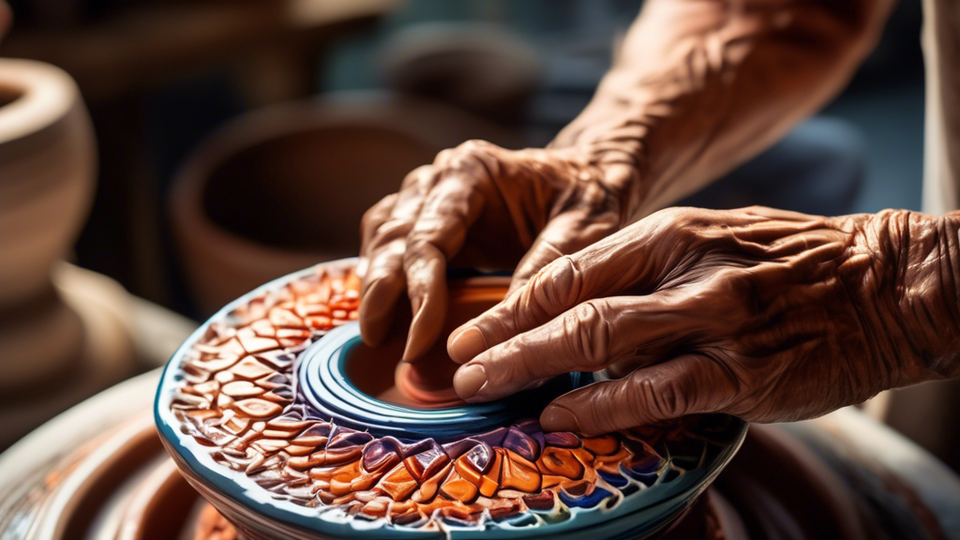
column 47, row 173
column 99, row 471
column 258, row 412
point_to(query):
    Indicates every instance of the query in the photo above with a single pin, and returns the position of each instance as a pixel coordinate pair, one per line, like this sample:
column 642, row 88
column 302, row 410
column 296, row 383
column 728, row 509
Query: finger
column 559, row 286
column 685, row 385
column 384, row 280
column 565, row 234
column 449, row 211
column 586, row 338
column 371, row 221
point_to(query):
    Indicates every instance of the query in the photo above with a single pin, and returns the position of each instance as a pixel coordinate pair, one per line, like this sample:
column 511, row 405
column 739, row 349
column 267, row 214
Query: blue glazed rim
column 637, row 514
column 325, row 384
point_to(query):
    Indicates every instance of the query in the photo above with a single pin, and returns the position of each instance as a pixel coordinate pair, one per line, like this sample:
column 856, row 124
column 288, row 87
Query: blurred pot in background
column 60, row 339
column 284, row 188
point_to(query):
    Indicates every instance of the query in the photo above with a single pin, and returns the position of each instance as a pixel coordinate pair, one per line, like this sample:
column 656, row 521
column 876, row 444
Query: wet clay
column 428, row 382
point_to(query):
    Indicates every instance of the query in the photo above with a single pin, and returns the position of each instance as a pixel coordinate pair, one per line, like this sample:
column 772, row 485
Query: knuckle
column 372, row 214
column 588, row 334
column 475, row 146
column 560, row 282
column 736, row 287
column 414, row 177
column 520, row 371
column 393, row 229
column 473, row 155
column 656, row 398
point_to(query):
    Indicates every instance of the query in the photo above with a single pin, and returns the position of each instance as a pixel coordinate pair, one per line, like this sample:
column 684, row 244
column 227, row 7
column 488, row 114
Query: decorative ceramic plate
column 280, row 417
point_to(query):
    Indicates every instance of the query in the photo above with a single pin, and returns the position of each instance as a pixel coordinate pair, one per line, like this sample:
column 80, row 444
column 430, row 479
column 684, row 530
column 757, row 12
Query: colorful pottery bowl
column 262, row 412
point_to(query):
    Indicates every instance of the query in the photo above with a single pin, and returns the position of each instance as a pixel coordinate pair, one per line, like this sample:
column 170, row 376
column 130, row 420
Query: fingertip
column 465, row 344
column 559, row 418
column 468, row 380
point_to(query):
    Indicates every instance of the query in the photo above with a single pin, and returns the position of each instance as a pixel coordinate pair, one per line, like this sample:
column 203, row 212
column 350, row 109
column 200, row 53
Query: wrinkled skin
column 697, row 88
column 487, row 207
column 764, row 314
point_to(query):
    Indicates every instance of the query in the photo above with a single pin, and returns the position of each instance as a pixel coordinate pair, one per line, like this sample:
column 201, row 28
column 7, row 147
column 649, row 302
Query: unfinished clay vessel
column 62, row 334
column 285, row 187
column 282, row 419
column 47, row 171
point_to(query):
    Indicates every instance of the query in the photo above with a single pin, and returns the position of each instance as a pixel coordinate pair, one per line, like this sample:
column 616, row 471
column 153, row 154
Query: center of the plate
column 369, row 389
column 427, row 383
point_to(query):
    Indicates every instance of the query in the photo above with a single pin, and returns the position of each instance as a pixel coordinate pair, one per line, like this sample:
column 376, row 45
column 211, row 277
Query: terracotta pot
column 284, row 188
column 47, row 168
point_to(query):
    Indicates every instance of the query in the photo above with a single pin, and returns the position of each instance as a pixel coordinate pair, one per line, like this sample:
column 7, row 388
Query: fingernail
column 559, row 418
column 466, row 344
column 468, row 380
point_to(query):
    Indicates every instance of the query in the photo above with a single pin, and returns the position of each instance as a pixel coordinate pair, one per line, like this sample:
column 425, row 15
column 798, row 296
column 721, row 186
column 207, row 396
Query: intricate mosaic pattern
column 237, row 396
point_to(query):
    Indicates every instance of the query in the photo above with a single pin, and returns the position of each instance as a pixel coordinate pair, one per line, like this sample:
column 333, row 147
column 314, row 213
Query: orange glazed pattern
column 237, row 397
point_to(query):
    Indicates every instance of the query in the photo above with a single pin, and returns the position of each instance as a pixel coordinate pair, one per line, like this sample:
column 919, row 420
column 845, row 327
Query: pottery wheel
column 99, row 471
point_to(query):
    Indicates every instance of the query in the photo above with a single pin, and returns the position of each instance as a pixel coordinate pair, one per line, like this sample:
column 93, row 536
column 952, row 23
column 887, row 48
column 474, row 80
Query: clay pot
column 284, row 188
column 47, row 173
column 63, row 333
column 47, row 170
column 279, row 368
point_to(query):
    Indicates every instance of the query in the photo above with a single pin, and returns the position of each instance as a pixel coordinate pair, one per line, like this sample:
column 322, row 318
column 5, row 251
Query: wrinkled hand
column 487, row 207
column 759, row 313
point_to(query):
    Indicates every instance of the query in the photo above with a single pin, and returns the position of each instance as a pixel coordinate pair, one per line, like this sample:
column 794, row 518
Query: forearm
column 927, row 293
column 702, row 85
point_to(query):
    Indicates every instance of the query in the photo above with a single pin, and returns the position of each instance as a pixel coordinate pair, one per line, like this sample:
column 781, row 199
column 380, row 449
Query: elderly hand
column 759, row 313
column 488, row 207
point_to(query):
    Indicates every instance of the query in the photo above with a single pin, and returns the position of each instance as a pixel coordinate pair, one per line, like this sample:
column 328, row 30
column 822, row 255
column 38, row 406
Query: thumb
column 684, row 385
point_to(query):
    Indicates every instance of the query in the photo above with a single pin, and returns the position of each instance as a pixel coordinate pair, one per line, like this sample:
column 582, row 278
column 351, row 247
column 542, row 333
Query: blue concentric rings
column 324, row 383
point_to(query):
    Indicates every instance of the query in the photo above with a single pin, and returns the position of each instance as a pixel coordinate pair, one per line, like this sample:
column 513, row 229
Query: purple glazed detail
column 237, row 396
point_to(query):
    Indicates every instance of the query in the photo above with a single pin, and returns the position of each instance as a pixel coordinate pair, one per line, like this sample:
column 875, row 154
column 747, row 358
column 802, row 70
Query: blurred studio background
column 234, row 141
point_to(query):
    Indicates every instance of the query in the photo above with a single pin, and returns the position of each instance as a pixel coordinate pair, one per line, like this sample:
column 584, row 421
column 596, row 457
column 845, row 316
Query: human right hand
column 764, row 314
